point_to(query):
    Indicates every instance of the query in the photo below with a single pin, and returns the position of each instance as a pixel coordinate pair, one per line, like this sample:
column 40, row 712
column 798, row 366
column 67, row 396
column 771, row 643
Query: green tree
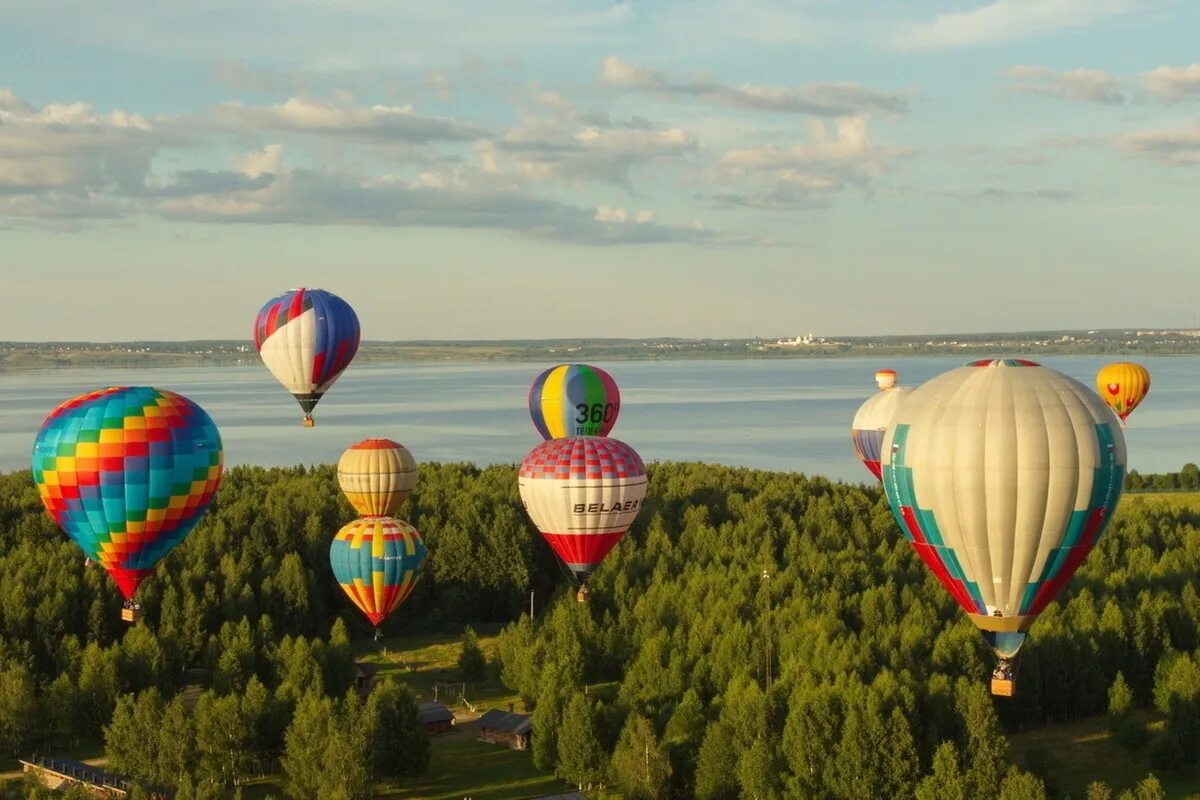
column 1128, row 731
column 1148, row 789
column 221, row 738
column 640, row 767
column 347, row 763
column 581, row 760
column 304, row 753
column 98, row 684
column 472, row 663
column 18, row 708
column 1021, row 785
column 1097, row 790
column 946, row 781
column 399, row 745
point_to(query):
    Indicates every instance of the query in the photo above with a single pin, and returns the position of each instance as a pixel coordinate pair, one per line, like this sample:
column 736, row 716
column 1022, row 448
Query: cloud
column 561, row 143
column 72, row 148
column 376, row 123
column 998, row 195
column 1085, row 85
column 1174, row 83
column 817, row 99
column 439, row 83
column 1005, row 21
column 312, row 197
column 1176, row 148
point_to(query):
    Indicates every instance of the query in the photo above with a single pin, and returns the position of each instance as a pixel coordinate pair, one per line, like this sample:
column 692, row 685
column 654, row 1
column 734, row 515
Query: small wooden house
column 61, row 773
column 507, row 728
column 364, row 677
column 435, row 717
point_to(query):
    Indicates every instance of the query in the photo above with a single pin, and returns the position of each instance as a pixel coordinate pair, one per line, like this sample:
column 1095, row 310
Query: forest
column 756, row 634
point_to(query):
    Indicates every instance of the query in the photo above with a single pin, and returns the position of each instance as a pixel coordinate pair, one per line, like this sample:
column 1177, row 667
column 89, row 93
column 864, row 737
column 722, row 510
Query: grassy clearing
column 1082, row 751
column 423, row 662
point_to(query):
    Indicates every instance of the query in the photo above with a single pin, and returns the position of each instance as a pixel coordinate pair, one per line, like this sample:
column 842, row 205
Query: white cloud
column 1086, row 85
column 439, row 83
column 261, row 162
column 621, row 216
column 807, row 174
column 1174, row 83
column 818, row 99
column 375, row 123
column 1006, row 20
column 1177, row 148
column 73, row 147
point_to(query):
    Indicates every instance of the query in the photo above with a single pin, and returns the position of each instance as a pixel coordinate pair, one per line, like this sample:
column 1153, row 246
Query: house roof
column 432, row 711
column 507, row 721
column 366, row 668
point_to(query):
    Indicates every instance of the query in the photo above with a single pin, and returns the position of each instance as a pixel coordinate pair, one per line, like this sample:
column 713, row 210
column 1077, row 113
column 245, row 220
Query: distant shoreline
column 1116, row 343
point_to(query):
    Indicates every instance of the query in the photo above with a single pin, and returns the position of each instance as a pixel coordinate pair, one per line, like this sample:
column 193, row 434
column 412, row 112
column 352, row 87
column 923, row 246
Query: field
column 1082, row 751
column 461, row 766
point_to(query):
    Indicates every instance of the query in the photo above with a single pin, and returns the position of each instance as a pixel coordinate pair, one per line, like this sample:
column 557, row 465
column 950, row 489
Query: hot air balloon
column 872, row 418
column 582, row 493
column 126, row 472
column 574, row 400
column 377, row 475
column 1123, row 385
column 306, row 337
column 1002, row 475
column 377, row 561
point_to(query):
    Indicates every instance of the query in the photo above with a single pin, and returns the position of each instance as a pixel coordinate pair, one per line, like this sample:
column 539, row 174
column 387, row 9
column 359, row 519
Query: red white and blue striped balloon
column 306, row 338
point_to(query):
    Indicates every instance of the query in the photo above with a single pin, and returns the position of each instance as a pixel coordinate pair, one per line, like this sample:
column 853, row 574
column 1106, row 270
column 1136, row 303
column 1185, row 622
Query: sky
column 579, row 168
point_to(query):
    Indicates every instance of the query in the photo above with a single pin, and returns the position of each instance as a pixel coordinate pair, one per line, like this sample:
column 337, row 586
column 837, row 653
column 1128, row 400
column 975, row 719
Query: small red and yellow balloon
column 1123, row 385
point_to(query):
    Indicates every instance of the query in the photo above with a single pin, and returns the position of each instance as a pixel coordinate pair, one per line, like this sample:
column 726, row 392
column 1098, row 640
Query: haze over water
column 791, row 415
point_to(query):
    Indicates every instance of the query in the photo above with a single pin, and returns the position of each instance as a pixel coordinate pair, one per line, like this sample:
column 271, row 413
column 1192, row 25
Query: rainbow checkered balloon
column 126, row 472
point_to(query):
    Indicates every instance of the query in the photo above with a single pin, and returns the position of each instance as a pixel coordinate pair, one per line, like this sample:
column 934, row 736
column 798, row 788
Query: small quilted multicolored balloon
column 574, row 400
column 377, row 476
column 127, row 472
column 306, row 338
column 377, row 561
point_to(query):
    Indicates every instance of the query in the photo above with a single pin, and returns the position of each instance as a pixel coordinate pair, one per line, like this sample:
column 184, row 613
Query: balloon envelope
column 306, row 338
column 1002, row 475
column 885, row 378
column 377, row 561
column 582, row 493
column 126, row 472
column 377, row 476
column 1123, row 385
column 870, row 424
column 574, row 400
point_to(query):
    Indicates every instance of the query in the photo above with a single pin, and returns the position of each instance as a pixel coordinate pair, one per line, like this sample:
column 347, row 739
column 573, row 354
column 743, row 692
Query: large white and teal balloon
column 1002, row 475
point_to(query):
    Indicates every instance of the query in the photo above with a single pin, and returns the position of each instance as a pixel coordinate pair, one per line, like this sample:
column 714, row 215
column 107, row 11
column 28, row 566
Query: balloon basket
column 307, row 422
column 1004, row 687
column 131, row 615
column 581, row 595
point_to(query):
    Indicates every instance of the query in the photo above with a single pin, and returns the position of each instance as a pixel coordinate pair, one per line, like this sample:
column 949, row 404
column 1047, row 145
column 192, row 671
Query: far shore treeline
column 757, row 634
column 1118, row 343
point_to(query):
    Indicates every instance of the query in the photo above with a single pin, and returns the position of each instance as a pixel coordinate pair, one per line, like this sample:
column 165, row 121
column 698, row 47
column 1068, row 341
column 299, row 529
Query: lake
column 789, row 415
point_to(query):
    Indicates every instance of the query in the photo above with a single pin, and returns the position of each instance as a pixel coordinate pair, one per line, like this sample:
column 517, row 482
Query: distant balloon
column 872, row 418
column 126, row 472
column 1002, row 475
column 582, row 493
column 574, row 400
column 1123, row 385
column 306, row 337
column 377, row 561
column 377, row 475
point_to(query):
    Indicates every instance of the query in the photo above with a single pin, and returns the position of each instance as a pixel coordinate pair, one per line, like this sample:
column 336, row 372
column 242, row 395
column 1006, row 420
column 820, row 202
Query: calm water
column 786, row 415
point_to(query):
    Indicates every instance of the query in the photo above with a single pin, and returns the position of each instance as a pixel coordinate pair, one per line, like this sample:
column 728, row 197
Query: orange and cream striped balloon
column 377, row 475
column 1123, row 385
